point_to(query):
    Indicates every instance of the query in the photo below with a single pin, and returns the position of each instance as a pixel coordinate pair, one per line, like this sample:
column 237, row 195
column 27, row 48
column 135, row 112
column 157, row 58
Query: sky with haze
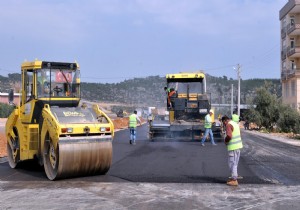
column 114, row 40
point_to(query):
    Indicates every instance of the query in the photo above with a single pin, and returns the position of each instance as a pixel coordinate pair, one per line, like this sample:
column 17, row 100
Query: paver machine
column 187, row 108
column 68, row 137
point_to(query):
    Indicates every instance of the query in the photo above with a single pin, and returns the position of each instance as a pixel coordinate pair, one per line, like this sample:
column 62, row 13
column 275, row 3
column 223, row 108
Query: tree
column 289, row 119
column 267, row 105
column 253, row 115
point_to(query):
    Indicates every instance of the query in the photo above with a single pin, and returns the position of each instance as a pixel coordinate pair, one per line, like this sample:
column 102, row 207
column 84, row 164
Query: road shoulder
column 274, row 136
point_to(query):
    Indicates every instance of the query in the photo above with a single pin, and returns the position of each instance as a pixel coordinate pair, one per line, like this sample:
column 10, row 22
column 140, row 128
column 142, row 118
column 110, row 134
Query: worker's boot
column 232, row 182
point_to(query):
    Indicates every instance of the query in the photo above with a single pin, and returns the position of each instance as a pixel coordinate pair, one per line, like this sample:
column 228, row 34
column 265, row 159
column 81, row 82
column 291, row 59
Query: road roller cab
column 51, row 124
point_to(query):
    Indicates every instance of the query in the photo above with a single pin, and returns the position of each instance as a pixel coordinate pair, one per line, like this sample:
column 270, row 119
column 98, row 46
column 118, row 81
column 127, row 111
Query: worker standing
column 171, row 94
column 234, row 143
column 167, row 91
column 133, row 120
column 235, row 117
column 207, row 125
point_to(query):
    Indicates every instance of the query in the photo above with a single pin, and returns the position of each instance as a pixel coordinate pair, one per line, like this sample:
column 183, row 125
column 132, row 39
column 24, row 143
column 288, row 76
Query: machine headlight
column 67, row 130
column 103, row 129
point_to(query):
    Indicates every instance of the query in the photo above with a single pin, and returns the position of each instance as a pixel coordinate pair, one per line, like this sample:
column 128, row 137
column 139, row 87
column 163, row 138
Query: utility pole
column 239, row 88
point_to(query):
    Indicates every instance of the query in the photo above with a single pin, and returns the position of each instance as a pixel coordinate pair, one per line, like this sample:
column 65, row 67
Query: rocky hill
column 144, row 92
column 149, row 91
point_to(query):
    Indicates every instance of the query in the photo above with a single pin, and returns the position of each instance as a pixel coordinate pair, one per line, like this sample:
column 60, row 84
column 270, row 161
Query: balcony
column 283, row 54
column 289, row 73
column 293, row 29
column 293, row 52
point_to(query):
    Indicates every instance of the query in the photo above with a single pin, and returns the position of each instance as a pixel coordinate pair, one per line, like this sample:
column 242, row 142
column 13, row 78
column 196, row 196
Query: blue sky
column 114, row 40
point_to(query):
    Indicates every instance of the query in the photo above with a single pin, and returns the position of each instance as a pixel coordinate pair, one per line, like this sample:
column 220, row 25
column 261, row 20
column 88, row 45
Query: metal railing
column 289, row 73
column 292, row 27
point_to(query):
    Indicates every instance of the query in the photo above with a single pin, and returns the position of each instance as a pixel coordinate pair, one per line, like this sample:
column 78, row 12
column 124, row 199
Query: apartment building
column 289, row 17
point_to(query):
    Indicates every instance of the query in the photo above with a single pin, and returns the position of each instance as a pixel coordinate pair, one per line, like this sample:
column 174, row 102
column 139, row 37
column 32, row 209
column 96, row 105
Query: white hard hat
column 211, row 111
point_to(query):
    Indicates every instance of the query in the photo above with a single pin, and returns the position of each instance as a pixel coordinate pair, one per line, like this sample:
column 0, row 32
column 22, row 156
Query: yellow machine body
column 187, row 107
column 51, row 125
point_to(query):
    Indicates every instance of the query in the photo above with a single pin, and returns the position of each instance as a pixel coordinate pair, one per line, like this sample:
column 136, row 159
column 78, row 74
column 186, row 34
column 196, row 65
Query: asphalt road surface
column 166, row 175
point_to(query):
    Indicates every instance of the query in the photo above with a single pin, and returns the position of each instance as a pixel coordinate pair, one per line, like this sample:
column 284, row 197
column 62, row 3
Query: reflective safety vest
column 236, row 141
column 132, row 121
column 235, row 118
column 207, row 123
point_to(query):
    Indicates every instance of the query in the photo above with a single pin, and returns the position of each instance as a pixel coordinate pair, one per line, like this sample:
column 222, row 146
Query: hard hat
column 211, row 111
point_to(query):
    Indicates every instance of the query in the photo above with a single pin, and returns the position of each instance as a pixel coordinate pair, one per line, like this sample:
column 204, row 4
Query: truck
column 187, row 108
column 52, row 126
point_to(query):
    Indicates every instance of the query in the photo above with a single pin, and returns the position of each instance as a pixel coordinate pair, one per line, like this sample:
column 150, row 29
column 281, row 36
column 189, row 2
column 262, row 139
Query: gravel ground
column 79, row 195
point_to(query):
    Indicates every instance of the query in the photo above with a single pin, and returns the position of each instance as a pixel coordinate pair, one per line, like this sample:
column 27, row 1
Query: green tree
column 252, row 115
column 267, row 105
column 289, row 119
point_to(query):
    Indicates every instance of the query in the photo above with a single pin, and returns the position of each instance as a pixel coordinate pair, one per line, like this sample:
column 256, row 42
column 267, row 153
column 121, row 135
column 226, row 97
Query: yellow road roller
column 51, row 124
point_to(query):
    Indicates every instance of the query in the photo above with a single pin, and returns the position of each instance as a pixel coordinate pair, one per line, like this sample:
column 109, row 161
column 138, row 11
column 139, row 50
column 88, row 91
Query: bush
column 289, row 119
column 270, row 113
column 5, row 110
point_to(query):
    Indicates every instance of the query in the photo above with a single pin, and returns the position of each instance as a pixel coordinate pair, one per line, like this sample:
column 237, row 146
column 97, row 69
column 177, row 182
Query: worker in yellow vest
column 132, row 123
column 234, row 143
column 235, row 117
column 207, row 125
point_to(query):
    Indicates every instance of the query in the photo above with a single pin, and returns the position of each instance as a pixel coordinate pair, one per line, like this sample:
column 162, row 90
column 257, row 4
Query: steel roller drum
column 78, row 156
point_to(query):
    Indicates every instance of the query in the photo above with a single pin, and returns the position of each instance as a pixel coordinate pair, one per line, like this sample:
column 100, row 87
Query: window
column 28, row 75
column 293, row 88
column 43, row 83
column 293, row 65
column 292, row 43
column 292, row 20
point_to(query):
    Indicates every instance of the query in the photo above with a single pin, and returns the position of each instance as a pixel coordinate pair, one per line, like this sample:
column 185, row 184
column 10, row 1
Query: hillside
column 149, row 91
column 143, row 92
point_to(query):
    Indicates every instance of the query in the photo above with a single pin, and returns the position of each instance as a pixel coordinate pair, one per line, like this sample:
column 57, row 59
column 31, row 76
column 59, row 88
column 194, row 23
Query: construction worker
column 235, row 117
column 167, row 90
column 132, row 123
column 207, row 125
column 234, row 143
column 171, row 94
